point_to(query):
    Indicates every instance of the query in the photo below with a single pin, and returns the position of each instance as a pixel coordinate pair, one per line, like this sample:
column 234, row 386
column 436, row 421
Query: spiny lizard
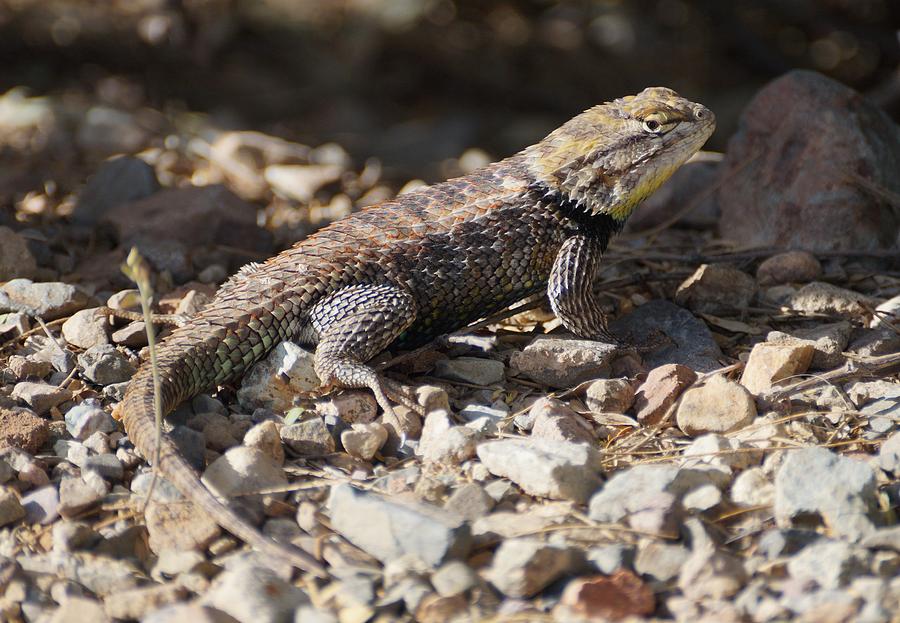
column 423, row 264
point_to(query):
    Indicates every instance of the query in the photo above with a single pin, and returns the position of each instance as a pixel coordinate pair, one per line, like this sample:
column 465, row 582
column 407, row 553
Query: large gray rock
column 388, row 529
column 818, row 482
column 563, row 362
column 785, row 179
column 16, row 260
column 48, row 300
column 117, row 181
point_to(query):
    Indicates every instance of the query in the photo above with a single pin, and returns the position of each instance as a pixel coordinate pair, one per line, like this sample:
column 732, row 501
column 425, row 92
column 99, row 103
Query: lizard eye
column 651, row 125
column 657, row 124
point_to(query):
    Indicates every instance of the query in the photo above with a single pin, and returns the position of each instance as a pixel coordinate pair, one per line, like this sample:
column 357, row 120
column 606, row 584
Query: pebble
column 79, row 610
column 660, row 391
column 644, row 496
column 41, row 505
column 619, row 596
column 543, row 468
column 563, row 362
column 85, row 419
column 522, row 568
column 87, row 328
column 660, row 561
column 116, row 181
column 266, row 438
column 300, row 182
column 11, row 509
column 874, row 342
column 16, row 259
column 717, row 406
column 179, row 526
column 825, row 298
column 351, row 406
column 273, row 382
column 105, row 365
column 609, row 396
column 889, row 455
column 888, row 311
column 49, row 300
column 474, row 370
column 107, row 466
column 443, row 442
column 495, row 413
column 829, row 564
column 13, row 325
column 716, row 289
column 753, row 488
column 686, row 340
column 470, row 501
column 771, row 362
column 69, row 536
column 364, row 440
column 711, row 574
column 840, row 490
column 453, row 578
column 827, row 340
column 395, row 528
column 40, row 396
column 308, row 438
column 192, row 612
column 133, row 335
column 104, row 131
column 788, row 267
column 22, row 428
column 243, row 471
column 77, row 495
column 608, row 559
column 251, row 592
column 135, row 604
column 25, row 367
column 555, row 421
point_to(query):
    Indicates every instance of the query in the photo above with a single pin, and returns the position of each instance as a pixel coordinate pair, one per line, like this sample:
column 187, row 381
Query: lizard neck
column 597, row 225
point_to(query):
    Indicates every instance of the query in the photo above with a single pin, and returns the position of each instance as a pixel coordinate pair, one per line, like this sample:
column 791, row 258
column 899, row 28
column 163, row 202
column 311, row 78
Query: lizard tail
column 178, row 384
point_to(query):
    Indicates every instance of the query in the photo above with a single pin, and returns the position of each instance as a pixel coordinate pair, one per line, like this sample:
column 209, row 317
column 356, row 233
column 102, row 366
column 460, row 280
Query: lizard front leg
column 571, row 288
column 355, row 324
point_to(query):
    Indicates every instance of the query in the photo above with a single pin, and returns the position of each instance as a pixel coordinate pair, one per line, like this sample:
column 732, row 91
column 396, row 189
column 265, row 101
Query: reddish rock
column 601, row 598
column 661, row 389
column 787, row 178
column 790, row 267
column 22, row 428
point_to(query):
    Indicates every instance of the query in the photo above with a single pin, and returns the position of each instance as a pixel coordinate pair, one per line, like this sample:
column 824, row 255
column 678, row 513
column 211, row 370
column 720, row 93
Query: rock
column 645, row 496
column 41, row 505
column 830, row 564
column 352, row 407
column 470, row 501
column 189, row 612
column 87, row 328
column 251, row 592
column 788, row 267
column 135, row 604
column 48, row 300
column 689, row 341
column 194, row 216
column 543, row 468
column 453, row 578
column 24, row 368
column 522, row 568
column 715, row 289
column 825, row 298
column 16, row 259
column 107, row 465
column 889, row 311
column 265, row 438
column 106, row 131
column 660, row 561
column 22, row 428
column 609, row 396
column 364, row 440
column 105, row 365
column 494, row 413
column 273, row 382
column 875, row 342
column 711, row 574
column 395, row 528
column 308, row 438
column 40, row 396
column 301, row 181
column 784, row 181
column 716, row 406
column 827, row 340
column 85, row 419
column 753, row 488
column 133, row 335
column 889, row 455
column 79, row 609
column 563, row 362
column 883, row 538
column 554, row 420
column 474, row 370
column 243, row 471
column 619, row 596
column 11, row 509
column 660, row 391
column 817, row 482
column 179, row 526
column 13, row 325
column 76, row 495
column 771, row 362
column 449, row 447
column 117, row 181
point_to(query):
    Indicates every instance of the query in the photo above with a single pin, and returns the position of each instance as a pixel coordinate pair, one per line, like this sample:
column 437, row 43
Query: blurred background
column 410, row 83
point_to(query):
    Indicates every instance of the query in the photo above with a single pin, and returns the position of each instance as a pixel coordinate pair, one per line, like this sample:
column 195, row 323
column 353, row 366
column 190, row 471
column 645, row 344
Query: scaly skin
column 423, row 264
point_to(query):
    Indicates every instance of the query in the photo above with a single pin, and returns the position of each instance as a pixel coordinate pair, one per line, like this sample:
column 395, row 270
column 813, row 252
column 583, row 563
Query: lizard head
column 611, row 157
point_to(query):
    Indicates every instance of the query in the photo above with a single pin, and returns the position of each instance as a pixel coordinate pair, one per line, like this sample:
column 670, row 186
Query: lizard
column 399, row 273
